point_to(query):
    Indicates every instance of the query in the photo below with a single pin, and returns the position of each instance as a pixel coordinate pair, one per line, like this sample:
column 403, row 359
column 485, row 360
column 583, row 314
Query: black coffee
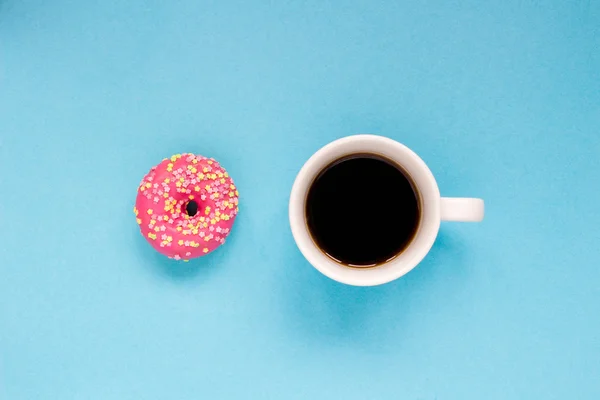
column 362, row 210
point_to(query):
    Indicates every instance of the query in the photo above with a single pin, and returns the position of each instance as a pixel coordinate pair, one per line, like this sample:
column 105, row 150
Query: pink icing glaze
column 163, row 195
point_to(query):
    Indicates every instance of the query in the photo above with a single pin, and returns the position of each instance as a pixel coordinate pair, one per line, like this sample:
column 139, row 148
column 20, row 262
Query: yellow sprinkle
column 148, row 185
column 195, row 231
column 165, row 195
column 191, row 197
column 139, row 221
column 186, row 260
column 230, row 205
column 166, row 218
column 152, row 221
column 207, row 210
column 210, row 162
column 205, row 170
column 226, row 175
column 194, row 161
column 206, row 238
column 230, row 194
column 205, row 250
column 213, row 176
column 197, row 188
column 169, row 239
column 205, row 225
column 225, row 217
column 180, row 242
column 179, row 229
column 178, row 184
column 213, row 221
column 207, row 187
column 201, row 175
column 151, row 235
column 156, row 229
column 149, row 211
column 237, row 193
column 194, row 170
column 173, row 158
column 135, row 210
column 167, row 180
column 222, row 180
column 231, row 187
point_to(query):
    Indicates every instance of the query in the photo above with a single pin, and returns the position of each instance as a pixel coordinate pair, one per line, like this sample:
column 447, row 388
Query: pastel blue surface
column 501, row 99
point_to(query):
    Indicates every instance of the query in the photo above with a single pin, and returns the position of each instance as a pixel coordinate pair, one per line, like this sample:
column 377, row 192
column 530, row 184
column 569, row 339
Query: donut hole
column 191, row 208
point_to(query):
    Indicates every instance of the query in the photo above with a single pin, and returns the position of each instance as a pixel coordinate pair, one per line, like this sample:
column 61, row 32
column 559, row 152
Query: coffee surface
column 361, row 210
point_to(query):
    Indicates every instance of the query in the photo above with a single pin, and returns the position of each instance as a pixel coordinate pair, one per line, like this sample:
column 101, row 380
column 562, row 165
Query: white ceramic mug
column 433, row 209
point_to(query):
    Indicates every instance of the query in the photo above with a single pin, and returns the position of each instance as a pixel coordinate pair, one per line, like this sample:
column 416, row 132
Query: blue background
column 501, row 99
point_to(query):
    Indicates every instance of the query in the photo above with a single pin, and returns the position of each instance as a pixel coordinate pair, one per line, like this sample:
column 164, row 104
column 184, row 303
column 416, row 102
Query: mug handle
column 463, row 209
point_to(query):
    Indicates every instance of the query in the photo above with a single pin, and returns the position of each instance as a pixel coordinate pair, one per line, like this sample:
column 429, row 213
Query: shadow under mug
column 434, row 209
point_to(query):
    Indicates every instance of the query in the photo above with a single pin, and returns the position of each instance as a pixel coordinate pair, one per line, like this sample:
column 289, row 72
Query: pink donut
column 186, row 206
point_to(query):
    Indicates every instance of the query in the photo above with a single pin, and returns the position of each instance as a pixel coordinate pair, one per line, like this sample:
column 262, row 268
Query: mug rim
column 427, row 189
